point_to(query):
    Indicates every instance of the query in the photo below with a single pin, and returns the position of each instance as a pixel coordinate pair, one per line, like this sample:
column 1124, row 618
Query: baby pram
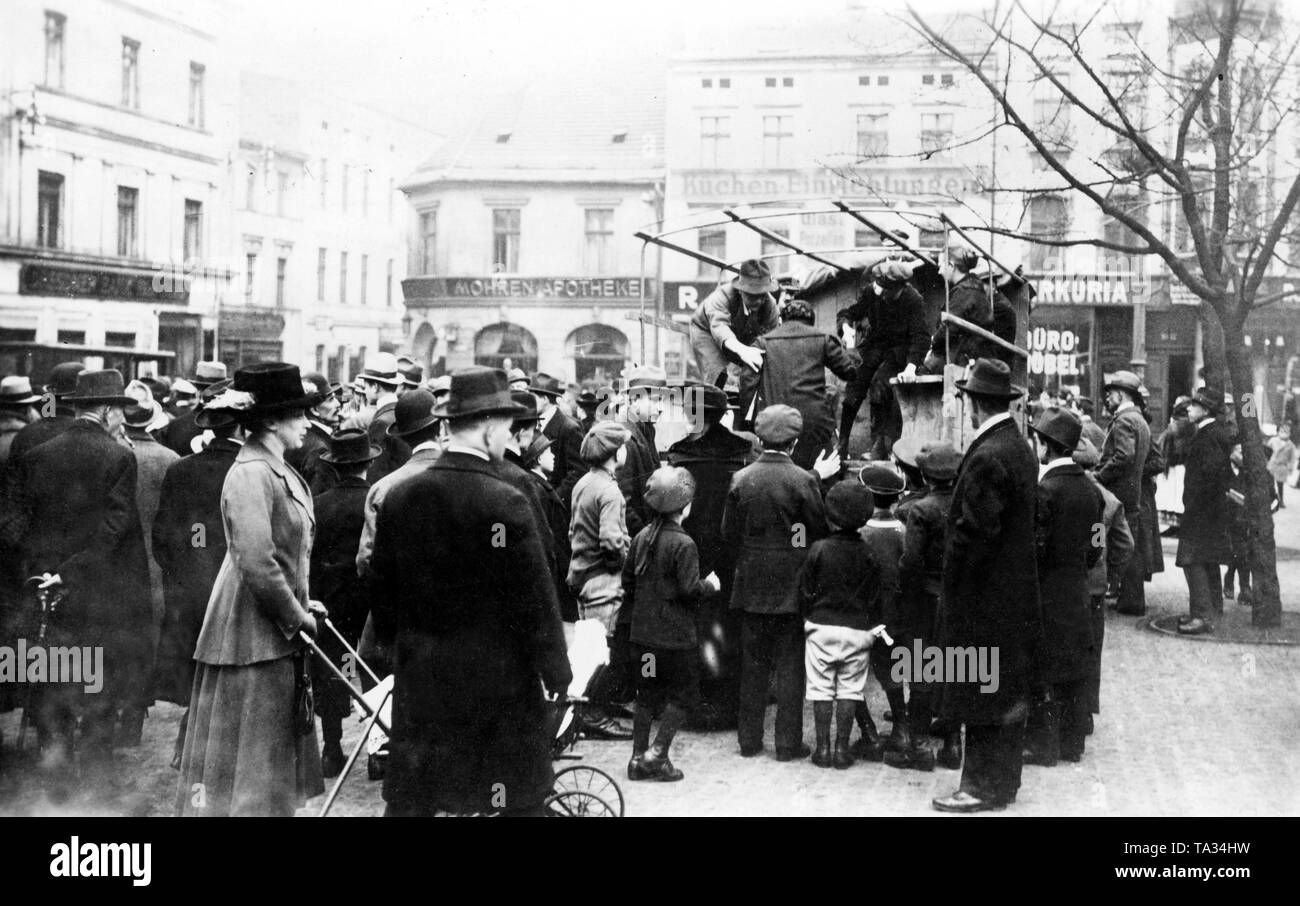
column 580, row 791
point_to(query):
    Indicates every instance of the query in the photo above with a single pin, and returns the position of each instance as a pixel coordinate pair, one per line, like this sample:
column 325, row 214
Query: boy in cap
column 598, row 542
column 883, row 536
column 662, row 576
column 904, row 455
column 839, row 594
column 921, row 579
column 773, row 512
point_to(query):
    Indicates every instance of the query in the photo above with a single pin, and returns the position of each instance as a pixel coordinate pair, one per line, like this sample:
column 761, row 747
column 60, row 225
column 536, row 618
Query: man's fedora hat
column 413, row 412
column 755, row 277
column 209, row 419
column 589, row 400
column 207, row 373
column 63, row 378
column 183, row 389
column 533, row 455
column 938, row 460
column 350, row 447
column 515, row 375
column 1209, row 400
column 382, row 369
column 905, row 450
column 526, row 401
column 991, row 378
column 439, row 385
column 266, row 388
column 101, row 388
column 1059, row 425
column 322, row 384
column 647, row 376
column 16, row 390
column 140, row 413
column 412, row 373
column 546, row 385
column 1124, row 380
column 478, row 390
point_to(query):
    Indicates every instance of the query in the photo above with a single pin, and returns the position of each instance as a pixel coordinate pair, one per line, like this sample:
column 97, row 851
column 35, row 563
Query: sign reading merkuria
column 605, row 289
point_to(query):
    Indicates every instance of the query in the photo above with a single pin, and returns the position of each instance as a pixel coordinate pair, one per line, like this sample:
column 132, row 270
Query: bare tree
column 1203, row 134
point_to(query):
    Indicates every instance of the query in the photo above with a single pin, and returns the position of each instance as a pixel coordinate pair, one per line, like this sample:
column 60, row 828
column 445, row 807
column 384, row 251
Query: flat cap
column 879, row 478
column 938, row 460
column 849, row 505
column 602, row 442
column 778, row 425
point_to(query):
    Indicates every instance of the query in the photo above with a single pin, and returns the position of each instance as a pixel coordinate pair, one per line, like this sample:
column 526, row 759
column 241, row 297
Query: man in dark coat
column 77, row 520
column 61, row 385
column 796, row 357
column 1070, row 511
column 895, row 336
column 189, row 545
column 384, row 383
column 990, row 592
column 712, row 455
column 179, row 433
column 1203, row 542
column 463, row 592
column 564, row 434
column 727, row 323
column 340, row 517
column 773, row 514
column 968, row 299
column 322, row 420
column 1123, row 459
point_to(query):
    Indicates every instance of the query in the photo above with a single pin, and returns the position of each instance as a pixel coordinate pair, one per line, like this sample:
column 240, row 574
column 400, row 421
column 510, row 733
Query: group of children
column 852, row 596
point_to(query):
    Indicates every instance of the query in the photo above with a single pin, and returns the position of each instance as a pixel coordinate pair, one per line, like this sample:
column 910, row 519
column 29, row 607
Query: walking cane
column 347, row 684
column 49, row 598
column 352, row 759
column 352, row 651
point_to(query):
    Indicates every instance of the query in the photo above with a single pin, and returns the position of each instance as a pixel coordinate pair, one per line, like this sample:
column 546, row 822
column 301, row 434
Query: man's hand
column 49, row 580
column 908, row 374
column 751, row 356
column 827, row 464
column 317, row 609
column 713, row 582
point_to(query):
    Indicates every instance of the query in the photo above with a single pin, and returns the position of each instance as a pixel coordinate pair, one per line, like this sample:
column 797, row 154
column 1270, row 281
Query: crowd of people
column 210, row 533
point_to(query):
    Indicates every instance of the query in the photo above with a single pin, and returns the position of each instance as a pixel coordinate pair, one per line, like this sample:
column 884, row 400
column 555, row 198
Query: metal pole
column 352, row 759
column 641, row 289
column 352, row 651
column 885, row 234
column 356, row 696
column 781, row 240
column 689, row 253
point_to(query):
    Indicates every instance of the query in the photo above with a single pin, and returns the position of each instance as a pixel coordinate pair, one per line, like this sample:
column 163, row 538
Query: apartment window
column 72, row 337
column 365, row 278
column 131, row 73
column 320, row 275
column 776, row 140
column 392, row 196
column 706, row 83
column 250, row 274
column 54, row 24
column 343, row 278
column 324, row 183
column 388, row 284
column 713, row 242
column 724, row 83
column 927, row 79
column 197, row 71
column 946, row 80
column 128, row 202
column 365, row 192
column 769, row 83
column 49, row 210
column 936, row 132
column 505, row 240
column 787, row 82
column 864, row 80
column 119, row 339
column 882, row 80
column 281, row 193
column 250, row 189
column 873, row 134
column 715, row 140
column 771, row 247
column 1051, row 109
column 428, row 240
column 1113, row 230
column 281, row 269
column 1048, row 219
column 864, row 238
column 600, row 240
column 343, row 197
column 192, row 244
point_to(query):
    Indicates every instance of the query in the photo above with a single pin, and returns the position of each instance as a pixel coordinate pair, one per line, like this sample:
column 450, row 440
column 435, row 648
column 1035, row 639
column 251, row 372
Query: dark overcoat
column 340, row 518
column 642, row 460
column 77, row 517
column 773, row 514
column 319, row 475
column 794, row 374
column 968, row 299
column 179, row 433
column 566, row 444
column 189, row 543
column 990, row 575
column 1070, row 510
column 394, row 451
column 462, row 593
column 1203, row 528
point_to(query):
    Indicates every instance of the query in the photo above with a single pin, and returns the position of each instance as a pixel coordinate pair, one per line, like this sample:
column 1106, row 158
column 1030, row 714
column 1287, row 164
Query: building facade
column 523, row 253
column 115, row 125
column 321, row 228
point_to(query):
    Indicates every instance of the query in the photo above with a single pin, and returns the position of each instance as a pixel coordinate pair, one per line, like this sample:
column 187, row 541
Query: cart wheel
column 591, row 780
column 578, row 804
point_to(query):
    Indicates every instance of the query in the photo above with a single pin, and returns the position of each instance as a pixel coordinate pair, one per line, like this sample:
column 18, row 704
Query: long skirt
column 242, row 755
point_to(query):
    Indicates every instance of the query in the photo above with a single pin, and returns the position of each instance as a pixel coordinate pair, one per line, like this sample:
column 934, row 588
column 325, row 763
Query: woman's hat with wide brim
column 477, row 391
column 275, row 388
column 991, row 378
column 100, row 388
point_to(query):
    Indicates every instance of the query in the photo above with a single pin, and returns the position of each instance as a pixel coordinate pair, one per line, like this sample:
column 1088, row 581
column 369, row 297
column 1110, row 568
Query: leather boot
column 869, row 747
column 900, row 738
column 655, row 762
column 641, row 718
column 950, row 754
column 843, row 757
column 822, row 727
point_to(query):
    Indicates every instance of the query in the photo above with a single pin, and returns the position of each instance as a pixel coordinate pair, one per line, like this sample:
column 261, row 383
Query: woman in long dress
column 251, row 746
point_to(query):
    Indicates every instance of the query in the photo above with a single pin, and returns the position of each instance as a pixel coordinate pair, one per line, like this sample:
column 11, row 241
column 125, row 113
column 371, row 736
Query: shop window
column 506, row 346
column 599, row 352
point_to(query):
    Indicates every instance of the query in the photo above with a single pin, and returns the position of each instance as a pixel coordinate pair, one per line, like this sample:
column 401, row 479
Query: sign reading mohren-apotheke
column 575, row 289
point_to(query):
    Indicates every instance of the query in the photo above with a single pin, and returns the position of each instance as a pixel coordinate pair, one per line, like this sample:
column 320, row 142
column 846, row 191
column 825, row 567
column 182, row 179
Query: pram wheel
column 581, row 778
column 578, row 804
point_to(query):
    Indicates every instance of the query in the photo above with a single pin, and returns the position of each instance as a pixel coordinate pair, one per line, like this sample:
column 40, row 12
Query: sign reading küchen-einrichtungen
column 523, row 289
